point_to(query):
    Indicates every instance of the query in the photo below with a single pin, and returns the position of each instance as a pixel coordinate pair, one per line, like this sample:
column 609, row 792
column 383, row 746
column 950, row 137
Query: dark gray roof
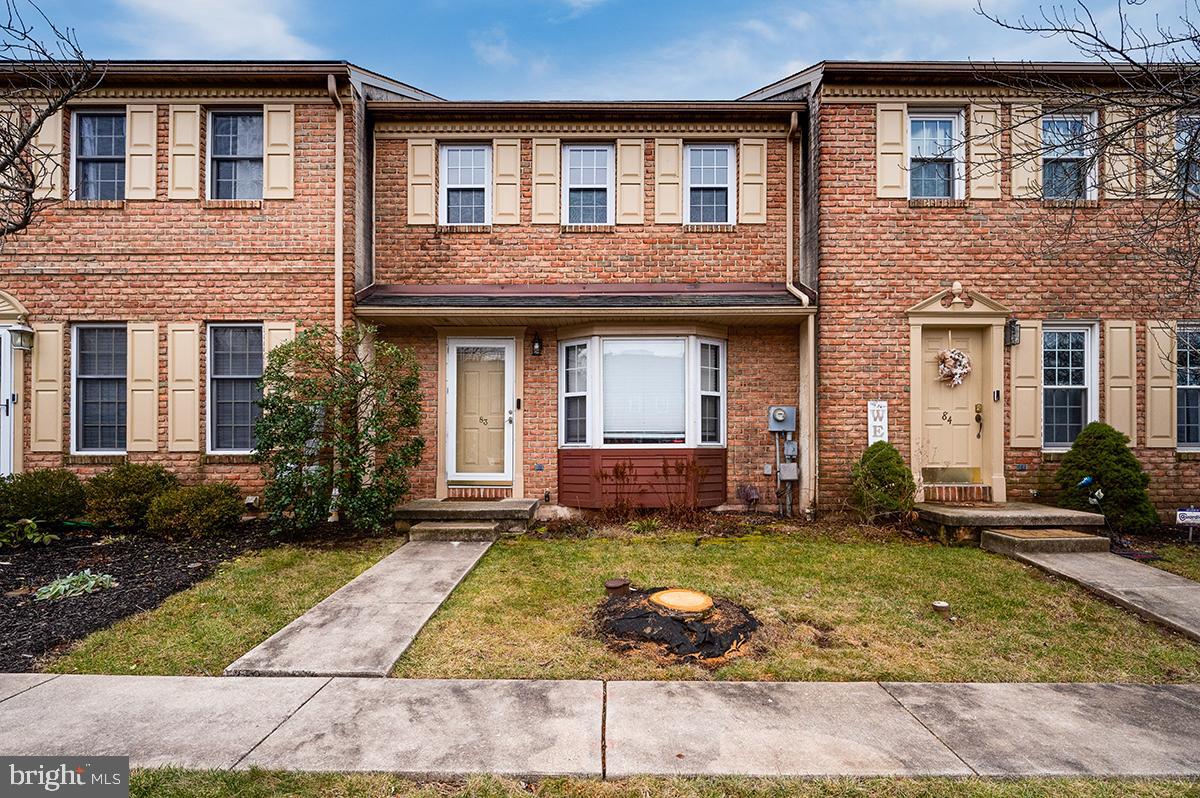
column 781, row 299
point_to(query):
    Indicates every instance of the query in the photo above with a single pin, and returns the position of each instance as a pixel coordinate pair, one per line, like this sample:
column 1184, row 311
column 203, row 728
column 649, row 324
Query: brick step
column 955, row 493
column 454, row 530
column 1043, row 541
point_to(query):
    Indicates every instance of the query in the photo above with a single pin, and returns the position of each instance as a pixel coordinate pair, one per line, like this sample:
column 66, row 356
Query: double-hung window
column 235, row 368
column 466, row 176
column 100, row 155
column 1068, row 384
column 711, row 196
column 588, row 183
column 935, row 155
column 1187, row 386
column 642, row 391
column 99, row 387
column 235, row 155
column 1066, row 165
column 1187, row 155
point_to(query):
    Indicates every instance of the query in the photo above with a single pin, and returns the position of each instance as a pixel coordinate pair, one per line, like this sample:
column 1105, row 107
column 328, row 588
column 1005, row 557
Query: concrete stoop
column 454, row 530
column 965, row 523
column 1047, row 541
column 454, row 519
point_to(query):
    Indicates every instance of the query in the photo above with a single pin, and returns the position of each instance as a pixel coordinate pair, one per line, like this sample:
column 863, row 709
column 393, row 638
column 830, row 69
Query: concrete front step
column 1024, row 541
column 510, row 514
column 952, row 523
column 455, row 530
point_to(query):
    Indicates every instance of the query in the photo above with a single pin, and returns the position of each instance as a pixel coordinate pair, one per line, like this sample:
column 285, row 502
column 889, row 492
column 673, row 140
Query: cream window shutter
column 141, row 152
column 422, row 189
column 1026, row 410
column 1160, row 385
column 506, row 181
column 891, row 150
column 1120, row 377
column 668, row 181
column 1026, row 146
column 546, row 165
column 276, row 333
column 183, row 387
column 985, row 164
column 46, row 392
column 1161, row 179
column 752, row 181
column 141, row 387
column 47, row 150
column 183, row 152
column 1120, row 155
column 631, row 181
column 279, row 144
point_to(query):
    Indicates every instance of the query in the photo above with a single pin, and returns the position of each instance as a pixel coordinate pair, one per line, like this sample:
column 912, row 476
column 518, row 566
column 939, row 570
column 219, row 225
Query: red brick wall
column 172, row 260
column 528, row 253
column 881, row 256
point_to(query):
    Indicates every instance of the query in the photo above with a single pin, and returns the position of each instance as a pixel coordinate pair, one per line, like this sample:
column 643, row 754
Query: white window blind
column 645, row 390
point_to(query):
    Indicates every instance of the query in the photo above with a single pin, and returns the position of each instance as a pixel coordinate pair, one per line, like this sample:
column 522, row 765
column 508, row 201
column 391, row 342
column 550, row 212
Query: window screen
column 100, row 363
column 236, row 366
column 237, row 155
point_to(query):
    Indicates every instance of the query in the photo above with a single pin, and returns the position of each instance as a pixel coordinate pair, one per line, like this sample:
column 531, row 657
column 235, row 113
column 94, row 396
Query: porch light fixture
column 537, row 345
column 1012, row 332
column 21, row 337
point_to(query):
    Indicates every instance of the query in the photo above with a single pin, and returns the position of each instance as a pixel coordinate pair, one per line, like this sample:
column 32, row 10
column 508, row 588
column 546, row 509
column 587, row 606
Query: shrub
column 24, row 530
column 644, row 526
column 881, row 485
column 195, row 511
column 47, row 494
column 119, row 499
column 1103, row 453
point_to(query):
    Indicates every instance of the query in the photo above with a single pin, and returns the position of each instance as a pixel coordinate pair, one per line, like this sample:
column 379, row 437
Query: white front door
column 8, row 403
column 480, row 409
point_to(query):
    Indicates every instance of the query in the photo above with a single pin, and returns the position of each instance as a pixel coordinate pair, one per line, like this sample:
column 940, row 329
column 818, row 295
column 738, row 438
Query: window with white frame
column 1187, row 386
column 235, row 146
column 588, row 183
column 1187, row 155
column 466, row 177
column 1068, row 384
column 99, row 387
column 935, row 155
column 235, row 368
column 99, row 145
column 709, row 171
column 642, row 391
column 1066, row 162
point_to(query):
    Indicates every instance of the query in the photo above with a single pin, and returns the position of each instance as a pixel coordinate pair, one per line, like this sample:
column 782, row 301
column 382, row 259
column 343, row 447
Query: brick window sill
column 1068, row 203
column 937, row 203
column 94, row 205
column 710, row 228
column 228, row 459
column 456, row 229
column 95, row 459
column 1187, row 455
column 1053, row 457
column 571, row 229
column 243, row 204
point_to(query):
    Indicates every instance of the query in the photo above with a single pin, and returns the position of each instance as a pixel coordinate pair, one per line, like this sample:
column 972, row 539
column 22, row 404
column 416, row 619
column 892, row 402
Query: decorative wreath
column 953, row 366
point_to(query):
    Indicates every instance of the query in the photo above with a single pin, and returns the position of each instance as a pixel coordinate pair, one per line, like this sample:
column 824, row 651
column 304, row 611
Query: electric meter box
column 781, row 418
column 789, row 472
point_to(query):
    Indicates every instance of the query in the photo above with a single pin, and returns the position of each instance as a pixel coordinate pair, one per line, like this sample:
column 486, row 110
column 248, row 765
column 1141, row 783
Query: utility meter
column 781, row 418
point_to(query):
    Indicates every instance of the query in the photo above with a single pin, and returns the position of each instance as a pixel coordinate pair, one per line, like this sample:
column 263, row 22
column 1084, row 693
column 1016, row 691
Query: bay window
column 642, row 391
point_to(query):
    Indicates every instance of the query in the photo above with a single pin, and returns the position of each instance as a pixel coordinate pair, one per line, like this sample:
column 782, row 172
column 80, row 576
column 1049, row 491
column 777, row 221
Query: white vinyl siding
column 466, row 181
column 935, row 155
column 235, row 160
column 588, row 184
column 99, row 389
column 235, row 367
column 710, row 195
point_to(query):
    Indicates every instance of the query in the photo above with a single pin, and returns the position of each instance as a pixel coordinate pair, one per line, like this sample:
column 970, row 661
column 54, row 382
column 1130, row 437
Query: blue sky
column 562, row 49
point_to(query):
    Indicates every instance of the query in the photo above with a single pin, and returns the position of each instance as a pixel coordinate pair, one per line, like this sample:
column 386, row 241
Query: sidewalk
column 450, row 728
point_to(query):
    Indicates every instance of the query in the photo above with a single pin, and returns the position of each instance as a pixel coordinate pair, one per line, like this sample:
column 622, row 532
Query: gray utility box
column 781, row 418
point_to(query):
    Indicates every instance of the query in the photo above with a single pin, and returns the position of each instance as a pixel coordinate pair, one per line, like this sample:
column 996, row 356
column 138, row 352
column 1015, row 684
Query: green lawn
column 263, row 784
column 830, row 610
column 1182, row 559
column 201, row 630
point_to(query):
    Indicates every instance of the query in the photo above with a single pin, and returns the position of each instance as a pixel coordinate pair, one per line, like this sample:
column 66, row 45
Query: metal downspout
column 339, row 275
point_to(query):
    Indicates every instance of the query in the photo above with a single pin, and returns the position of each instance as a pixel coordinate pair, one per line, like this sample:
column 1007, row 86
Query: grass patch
column 830, row 611
column 204, row 628
column 1182, row 559
column 267, row 784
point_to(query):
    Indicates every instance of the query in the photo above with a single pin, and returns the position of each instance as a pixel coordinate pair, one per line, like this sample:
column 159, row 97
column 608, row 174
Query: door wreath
column 953, row 366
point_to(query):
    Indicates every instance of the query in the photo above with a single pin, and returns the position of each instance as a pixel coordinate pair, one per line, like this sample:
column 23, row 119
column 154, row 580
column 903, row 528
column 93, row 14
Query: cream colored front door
column 952, row 437
column 480, row 409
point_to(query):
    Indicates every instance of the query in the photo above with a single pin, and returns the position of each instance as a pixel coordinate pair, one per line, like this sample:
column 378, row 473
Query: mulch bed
column 148, row 570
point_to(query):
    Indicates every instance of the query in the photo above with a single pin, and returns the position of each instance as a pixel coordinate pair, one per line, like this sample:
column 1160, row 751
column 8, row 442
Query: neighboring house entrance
column 481, row 409
column 952, row 438
column 8, row 404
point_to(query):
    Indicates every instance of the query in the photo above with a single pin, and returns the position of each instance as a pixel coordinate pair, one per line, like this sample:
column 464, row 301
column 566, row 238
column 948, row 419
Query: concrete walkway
column 364, row 627
column 1155, row 594
column 449, row 728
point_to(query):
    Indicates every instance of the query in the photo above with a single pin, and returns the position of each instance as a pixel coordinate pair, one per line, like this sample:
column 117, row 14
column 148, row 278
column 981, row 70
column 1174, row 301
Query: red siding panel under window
column 652, row 478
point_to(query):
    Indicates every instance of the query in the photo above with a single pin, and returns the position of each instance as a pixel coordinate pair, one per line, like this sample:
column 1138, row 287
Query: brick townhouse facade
column 915, row 257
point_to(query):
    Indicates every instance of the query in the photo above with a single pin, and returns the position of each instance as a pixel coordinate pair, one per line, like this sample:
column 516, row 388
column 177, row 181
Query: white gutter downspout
column 791, row 217
column 339, row 288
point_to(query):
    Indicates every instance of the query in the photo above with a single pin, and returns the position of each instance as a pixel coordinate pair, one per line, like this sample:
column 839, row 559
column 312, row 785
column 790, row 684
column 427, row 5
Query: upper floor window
column 588, row 184
column 935, row 155
column 1187, row 382
column 99, row 399
column 710, row 188
column 1066, row 165
column 235, row 369
column 235, row 155
column 100, row 155
column 466, row 184
column 1187, row 154
column 1068, row 384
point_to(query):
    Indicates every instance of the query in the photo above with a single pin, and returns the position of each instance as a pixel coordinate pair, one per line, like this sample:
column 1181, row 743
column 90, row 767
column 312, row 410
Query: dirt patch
column 631, row 623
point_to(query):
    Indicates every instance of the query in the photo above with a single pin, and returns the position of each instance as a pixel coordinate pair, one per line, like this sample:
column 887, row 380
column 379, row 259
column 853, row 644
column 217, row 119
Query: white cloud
column 212, row 29
column 492, row 48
